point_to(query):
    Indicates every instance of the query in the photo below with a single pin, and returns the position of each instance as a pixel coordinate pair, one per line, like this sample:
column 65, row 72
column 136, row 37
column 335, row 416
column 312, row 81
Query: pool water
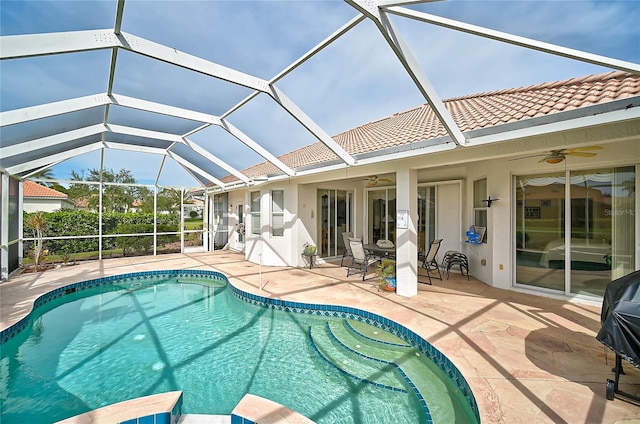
column 99, row 346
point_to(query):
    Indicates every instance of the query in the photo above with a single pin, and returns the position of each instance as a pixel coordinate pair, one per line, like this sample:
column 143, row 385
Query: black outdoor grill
column 620, row 330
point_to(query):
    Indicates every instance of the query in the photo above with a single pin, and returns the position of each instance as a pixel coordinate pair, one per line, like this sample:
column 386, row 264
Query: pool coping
column 318, row 309
column 254, row 409
column 160, row 408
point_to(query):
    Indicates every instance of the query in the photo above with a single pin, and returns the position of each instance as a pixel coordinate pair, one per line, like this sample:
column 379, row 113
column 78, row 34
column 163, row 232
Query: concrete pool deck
column 527, row 358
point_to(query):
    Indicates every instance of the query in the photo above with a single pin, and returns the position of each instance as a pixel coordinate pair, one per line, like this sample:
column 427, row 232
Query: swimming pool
column 104, row 341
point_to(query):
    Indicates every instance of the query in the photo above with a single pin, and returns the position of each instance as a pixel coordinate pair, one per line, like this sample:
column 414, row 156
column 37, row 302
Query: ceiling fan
column 373, row 180
column 559, row 155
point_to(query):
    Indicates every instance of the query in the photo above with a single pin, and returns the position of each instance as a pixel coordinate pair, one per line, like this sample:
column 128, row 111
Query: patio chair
column 430, row 262
column 347, row 249
column 451, row 258
column 360, row 259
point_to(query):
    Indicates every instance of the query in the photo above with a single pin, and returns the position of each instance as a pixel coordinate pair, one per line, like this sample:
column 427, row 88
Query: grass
column 193, row 223
column 86, row 256
column 190, row 224
column 82, row 256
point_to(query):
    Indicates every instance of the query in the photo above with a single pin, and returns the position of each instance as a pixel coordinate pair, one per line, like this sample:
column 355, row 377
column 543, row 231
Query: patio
column 527, row 358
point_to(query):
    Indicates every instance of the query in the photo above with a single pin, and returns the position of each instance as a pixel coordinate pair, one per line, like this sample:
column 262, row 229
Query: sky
column 355, row 80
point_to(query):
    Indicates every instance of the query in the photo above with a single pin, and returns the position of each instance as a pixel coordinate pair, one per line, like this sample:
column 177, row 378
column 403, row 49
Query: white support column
column 206, row 223
column 20, row 222
column 182, row 220
column 155, row 220
column 4, row 229
column 406, row 238
column 101, row 187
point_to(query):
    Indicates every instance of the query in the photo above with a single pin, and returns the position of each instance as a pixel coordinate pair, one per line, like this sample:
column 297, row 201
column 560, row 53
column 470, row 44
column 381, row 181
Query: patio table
column 381, row 252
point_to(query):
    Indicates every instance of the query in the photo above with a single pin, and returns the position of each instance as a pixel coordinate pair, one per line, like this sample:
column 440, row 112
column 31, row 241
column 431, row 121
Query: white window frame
column 255, row 199
column 277, row 211
column 479, row 208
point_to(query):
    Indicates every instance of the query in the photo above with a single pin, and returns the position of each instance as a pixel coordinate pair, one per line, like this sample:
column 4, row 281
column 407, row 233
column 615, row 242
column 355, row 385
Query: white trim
column 516, row 40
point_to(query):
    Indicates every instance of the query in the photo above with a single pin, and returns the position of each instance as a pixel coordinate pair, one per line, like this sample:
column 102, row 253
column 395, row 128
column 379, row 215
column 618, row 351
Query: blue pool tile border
column 317, row 309
column 237, row 419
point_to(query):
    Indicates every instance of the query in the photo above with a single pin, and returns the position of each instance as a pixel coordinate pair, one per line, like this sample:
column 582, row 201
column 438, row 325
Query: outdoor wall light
column 489, row 200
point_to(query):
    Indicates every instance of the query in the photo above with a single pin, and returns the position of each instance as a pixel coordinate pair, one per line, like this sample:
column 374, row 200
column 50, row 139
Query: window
column 277, row 213
column 532, row 212
column 480, row 208
column 255, row 212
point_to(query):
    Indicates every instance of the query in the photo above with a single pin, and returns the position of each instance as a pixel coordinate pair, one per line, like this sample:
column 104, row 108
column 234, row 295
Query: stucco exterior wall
column 492, row 262
column 45, row 205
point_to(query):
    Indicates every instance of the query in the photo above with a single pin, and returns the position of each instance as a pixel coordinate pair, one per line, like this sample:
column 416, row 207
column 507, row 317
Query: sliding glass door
column 334, row 213
column 596, row 208
column 426, row 217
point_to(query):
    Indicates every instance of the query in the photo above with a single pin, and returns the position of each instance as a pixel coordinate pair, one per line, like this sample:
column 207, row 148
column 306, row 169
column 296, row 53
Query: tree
column 168, row 200
column 46, row 174
column 80, row 191
column 118, row 194
column 37, row 223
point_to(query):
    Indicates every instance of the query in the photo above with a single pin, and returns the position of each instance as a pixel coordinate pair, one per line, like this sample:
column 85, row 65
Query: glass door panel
column 540, row 244
column 334, row 213
column 343, row 208
column 389, row 218
column 331, row 232
column 241, row 227
column 602, row 228
column 381, row 215
column 426, row 217
column 323, row 222
column 376, row 202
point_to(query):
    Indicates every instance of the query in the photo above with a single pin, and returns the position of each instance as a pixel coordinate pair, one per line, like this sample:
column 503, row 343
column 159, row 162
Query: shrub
column 74, row 222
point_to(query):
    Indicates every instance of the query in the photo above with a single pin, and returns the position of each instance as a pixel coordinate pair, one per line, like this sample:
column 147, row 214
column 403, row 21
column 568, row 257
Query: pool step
column 424, row 377
column 368, row 347
column 379, row 374
column 371, row 332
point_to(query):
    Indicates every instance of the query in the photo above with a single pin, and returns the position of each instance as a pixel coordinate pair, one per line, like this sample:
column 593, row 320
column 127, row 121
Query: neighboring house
column 38, row 198
column 194, row 205
column 135, row 207
column 560, row 162
column 83, row 204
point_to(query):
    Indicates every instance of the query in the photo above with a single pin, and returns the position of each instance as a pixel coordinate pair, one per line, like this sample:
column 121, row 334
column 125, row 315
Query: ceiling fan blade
column 582, row 149
column 530, row 156
column 582, row 154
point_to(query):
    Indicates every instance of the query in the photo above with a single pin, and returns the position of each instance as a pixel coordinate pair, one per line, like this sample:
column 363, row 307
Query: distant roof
column 471, row 112
column 31, row 189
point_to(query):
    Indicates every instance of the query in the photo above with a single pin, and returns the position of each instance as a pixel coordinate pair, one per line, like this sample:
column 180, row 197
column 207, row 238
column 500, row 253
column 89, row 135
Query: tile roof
column 31, row 189
column 469, row 112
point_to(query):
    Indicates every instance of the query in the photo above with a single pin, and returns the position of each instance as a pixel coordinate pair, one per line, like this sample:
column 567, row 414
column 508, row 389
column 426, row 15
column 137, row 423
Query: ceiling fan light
column 552, row 159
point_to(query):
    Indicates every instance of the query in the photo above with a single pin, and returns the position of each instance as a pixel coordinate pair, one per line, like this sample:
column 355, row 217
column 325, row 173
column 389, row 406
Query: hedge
column 73, row 222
